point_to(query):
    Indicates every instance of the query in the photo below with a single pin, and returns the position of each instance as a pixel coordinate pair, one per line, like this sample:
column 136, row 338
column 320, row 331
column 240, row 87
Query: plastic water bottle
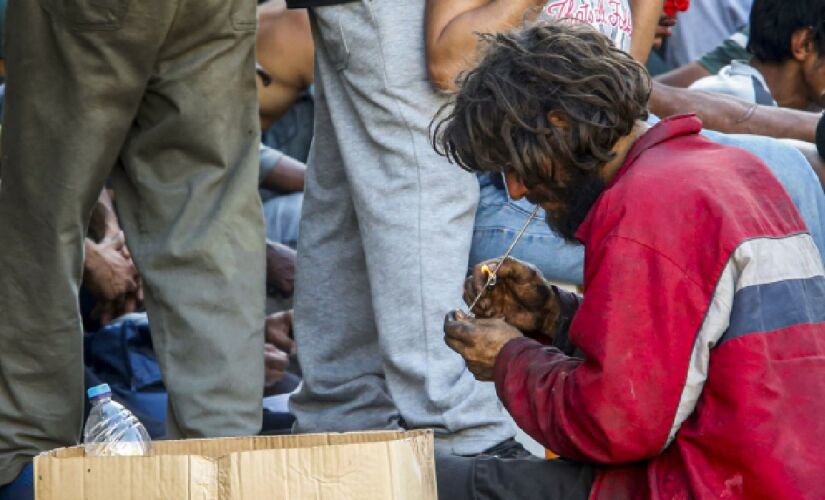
column 111, row 429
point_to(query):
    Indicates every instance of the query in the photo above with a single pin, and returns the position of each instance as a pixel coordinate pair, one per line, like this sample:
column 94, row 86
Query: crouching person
column 693, row 365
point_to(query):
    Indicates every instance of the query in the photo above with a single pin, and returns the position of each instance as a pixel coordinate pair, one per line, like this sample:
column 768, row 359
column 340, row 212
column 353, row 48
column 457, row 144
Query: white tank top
column 611, row 17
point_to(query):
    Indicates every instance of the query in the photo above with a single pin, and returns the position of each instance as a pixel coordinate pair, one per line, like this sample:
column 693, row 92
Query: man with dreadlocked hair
column 692, row 366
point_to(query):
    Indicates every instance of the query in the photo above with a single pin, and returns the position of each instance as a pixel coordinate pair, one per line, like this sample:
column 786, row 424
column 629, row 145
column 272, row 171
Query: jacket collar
column 665, row 130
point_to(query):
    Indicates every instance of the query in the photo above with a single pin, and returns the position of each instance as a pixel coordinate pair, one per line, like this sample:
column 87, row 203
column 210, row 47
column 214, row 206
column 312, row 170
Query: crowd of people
column 218, row 207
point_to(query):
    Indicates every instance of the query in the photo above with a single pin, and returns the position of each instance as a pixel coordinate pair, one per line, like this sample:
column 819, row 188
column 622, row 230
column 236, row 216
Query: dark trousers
column 489, row 478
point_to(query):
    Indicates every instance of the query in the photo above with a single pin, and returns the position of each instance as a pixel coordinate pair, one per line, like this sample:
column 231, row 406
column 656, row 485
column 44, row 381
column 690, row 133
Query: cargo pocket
column 243, row 15
column 88, row 15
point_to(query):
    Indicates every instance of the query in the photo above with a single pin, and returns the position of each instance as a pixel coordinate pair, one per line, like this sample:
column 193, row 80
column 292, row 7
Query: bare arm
column 646, row 15
column 451, row 32
column 683, row 76
column 285, row 49
column 287, row 176
column 734, row 116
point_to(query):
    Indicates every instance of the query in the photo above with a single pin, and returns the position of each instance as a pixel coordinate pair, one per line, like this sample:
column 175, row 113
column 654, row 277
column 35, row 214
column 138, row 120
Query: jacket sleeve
column 569, row 305
column 635, row 327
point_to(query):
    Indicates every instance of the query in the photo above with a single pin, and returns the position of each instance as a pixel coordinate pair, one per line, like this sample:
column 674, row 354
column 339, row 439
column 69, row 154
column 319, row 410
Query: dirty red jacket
column 703, row 333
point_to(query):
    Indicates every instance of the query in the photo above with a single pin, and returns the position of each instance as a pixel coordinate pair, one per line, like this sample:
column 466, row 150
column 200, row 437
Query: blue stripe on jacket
column 778, row 305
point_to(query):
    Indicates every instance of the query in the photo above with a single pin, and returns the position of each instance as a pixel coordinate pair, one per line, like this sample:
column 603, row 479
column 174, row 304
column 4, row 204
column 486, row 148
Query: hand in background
column 663, row 30
column 108, row 270
column 275, row 364
column 280, row 269
column 278, row 331
column 110, row 274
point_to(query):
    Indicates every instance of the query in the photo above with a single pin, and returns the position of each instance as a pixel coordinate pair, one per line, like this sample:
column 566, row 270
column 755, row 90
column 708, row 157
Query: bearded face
column 567, row 203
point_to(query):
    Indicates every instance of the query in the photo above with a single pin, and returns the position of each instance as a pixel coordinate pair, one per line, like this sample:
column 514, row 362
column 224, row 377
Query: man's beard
column 576, row 199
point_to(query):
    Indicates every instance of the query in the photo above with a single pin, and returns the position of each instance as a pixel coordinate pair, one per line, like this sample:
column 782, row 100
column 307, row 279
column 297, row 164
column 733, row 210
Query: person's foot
column 509, row 448
column 22, row 488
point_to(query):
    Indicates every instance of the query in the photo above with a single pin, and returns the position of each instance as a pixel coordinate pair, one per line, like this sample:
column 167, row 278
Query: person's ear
column 802, row 44
column 558, row 119
column 515, row 186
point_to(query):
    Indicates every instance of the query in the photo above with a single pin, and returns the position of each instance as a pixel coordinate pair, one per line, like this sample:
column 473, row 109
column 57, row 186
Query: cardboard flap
column 216, row 448
column 365, row 465
column 133, row 478
column 365, row 468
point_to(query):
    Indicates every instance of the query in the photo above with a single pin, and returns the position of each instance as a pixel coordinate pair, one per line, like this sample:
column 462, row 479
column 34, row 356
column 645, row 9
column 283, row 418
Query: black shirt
column 299, row 4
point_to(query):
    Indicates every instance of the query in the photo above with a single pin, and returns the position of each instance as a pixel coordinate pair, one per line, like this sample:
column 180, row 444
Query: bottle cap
column 99, row 390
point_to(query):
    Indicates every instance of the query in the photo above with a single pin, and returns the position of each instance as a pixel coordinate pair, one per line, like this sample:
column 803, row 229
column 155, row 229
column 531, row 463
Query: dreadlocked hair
column 498, row 120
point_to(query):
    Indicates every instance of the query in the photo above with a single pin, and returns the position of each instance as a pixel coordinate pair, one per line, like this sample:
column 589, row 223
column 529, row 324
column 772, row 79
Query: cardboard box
column 363, row 465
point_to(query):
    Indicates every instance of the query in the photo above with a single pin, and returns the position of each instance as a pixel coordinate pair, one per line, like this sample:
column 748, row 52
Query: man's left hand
column 478, row 341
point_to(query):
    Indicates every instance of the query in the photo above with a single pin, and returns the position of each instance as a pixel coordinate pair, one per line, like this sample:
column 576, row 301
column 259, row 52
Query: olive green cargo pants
column 160, row 93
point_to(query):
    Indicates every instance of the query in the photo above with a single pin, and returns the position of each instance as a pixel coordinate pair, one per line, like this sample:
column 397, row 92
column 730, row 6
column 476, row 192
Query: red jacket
column 703, row 333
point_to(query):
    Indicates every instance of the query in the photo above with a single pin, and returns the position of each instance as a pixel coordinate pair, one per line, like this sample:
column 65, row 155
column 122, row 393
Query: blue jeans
column 282, row 215
column 794, row 173
column 499, row 218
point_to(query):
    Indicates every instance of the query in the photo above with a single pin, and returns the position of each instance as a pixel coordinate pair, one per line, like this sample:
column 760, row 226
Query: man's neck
column 622, row 147
column 785, row 82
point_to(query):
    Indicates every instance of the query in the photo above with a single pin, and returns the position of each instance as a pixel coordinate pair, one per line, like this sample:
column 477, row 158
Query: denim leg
column 792, row 170
column 498, row 221
column 282, row 215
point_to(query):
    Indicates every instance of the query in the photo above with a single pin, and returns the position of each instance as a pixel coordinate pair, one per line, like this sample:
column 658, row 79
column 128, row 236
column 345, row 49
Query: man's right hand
column 521, row 296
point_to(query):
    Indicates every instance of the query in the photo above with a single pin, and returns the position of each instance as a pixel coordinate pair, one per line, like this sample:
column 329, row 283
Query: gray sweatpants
column 384, row 242
column 162, row 94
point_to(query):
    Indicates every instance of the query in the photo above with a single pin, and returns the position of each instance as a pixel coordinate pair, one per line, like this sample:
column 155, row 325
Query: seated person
column 499, row 218
column 702, row 26
column 787, row 67
column 112, row 288
column 692, row 366
column 285, row 50
column 731, row 49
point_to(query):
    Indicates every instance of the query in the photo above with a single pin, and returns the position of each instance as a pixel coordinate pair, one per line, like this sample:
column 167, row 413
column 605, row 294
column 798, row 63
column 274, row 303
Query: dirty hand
column 108, row 270
column 278, row 331
column 280, row 269
column 275, row 363
column 521, row 296
column 478, row 341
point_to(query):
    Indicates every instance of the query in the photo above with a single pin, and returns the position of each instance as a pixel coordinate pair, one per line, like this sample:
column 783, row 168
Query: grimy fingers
column 469, row 295
column 458, row 327
column 455, row 345
column 516, row 270
column 479, row 276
